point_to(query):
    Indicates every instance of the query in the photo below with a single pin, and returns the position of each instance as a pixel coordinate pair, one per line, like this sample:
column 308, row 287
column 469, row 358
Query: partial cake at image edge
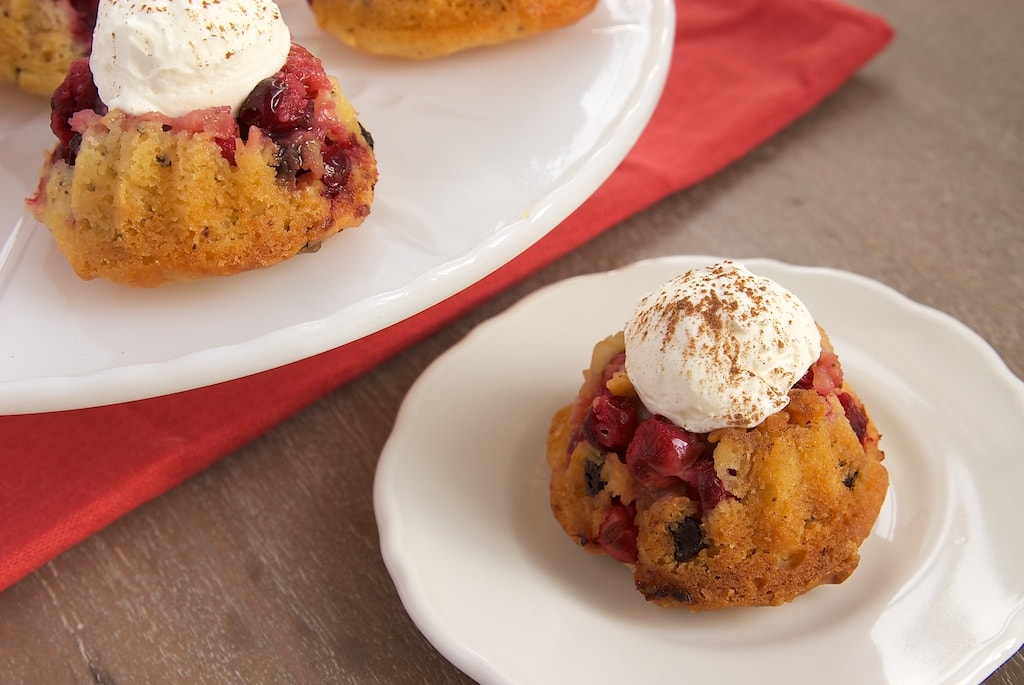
column 142, row 196
column 40, row 38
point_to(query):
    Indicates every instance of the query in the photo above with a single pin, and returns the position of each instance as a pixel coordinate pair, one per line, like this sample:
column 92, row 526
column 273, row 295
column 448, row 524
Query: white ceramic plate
column 480, row 155
column 493, row 582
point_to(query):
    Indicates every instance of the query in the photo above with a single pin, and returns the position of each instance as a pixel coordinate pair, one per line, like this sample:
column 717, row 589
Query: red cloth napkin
column 740, row 72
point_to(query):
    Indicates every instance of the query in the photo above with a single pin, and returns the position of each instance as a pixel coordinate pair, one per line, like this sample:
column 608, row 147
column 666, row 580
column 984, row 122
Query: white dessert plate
column 480, row 154
column 492, row 581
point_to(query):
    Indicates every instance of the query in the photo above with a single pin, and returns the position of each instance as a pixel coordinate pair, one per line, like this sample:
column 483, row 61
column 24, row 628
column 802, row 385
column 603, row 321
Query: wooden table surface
column 266, row 568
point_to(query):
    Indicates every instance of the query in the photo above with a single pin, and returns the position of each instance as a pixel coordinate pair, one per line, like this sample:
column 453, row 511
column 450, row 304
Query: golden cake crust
column 37, row 43
column 143, row 205
column 805, row 493
column 422, row 29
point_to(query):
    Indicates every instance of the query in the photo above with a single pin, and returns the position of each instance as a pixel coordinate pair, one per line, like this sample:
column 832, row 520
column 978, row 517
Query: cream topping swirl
column 718, row 347
column 176, row 56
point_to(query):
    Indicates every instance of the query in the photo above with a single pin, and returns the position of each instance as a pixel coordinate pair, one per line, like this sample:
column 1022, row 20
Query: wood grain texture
column 266, row 568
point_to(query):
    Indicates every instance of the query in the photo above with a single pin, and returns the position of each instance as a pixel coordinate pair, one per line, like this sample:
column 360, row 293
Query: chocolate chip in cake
column 592, row 481
column 688, row 538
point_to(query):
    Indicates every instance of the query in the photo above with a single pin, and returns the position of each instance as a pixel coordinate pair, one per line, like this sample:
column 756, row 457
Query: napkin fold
column 740, row 72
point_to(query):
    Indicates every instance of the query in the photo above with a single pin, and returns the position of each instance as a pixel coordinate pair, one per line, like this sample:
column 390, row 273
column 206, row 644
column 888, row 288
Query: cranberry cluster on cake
column 149, row 184
column 425, row 29
column 40, row 38
column 729, row 464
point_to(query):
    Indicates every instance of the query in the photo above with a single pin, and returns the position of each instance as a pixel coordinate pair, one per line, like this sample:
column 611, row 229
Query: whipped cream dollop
column 175, row 56
column 719, row 347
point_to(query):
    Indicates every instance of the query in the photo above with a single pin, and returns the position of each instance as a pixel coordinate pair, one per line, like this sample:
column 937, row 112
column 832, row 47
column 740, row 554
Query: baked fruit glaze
column 284, row 107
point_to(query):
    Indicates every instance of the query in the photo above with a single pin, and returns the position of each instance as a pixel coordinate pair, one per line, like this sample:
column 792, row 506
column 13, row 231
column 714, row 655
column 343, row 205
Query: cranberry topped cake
column 221, row 148
column 40, row 38
column 716, row 449
column 423, row 29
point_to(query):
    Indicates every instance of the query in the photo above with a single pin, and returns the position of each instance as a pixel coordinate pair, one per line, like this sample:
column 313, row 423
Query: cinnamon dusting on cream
column 719, row 347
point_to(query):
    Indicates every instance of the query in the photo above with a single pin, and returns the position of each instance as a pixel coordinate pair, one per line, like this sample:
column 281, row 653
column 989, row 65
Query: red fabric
column 741, row 71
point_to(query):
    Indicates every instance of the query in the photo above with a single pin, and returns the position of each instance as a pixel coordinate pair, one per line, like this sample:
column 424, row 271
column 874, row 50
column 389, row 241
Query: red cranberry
column 337, row 166
column 85, row 13
column 704, row 484
column 76, row 92
column 278, row 105
column 610, row 423
column 824, row 376
column 308, row 69
column 284, row 106
column 617, row 534
column 855, row 414
column 661, row 451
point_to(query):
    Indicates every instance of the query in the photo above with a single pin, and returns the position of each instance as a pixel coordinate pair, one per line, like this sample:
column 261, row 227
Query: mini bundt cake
column 733, row 516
